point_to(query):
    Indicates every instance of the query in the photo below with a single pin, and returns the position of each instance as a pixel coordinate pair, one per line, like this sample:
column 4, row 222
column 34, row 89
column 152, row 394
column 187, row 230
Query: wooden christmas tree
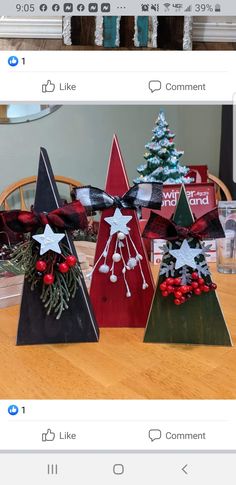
column 76, row 323
column 122, row 286
column 185, row 308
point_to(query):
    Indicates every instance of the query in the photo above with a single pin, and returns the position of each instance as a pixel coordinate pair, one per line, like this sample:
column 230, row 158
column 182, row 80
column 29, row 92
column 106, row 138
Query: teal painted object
column 109, row 31
column 143, row 27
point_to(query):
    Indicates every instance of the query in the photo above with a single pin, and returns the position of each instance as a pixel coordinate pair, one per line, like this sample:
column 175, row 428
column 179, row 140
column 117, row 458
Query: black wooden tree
column 76, row 323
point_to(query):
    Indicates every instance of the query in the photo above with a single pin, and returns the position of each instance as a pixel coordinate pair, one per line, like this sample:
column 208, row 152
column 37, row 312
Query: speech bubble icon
column 154, row 434
column 154, row 85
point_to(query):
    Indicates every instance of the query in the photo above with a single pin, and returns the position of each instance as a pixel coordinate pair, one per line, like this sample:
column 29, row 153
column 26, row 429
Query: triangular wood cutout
column 111, row 305
column 117, row 182
column 183, row 215
column 77, row 323
column 197, row 321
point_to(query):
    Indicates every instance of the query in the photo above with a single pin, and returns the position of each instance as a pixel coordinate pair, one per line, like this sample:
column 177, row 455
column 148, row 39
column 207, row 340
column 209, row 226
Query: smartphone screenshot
column 117, row 242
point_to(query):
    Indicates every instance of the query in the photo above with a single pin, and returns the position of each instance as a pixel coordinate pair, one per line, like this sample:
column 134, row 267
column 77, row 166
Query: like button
column 48, row 436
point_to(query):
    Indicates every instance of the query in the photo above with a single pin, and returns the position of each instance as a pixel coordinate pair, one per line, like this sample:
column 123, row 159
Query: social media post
column 117, row 267
column 134, row 425
column 117, row 251
column 89, row 77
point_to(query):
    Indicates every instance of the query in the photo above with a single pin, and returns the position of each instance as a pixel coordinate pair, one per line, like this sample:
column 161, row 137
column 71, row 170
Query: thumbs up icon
column 48, row 436
column 13, row 61
column 48, row 87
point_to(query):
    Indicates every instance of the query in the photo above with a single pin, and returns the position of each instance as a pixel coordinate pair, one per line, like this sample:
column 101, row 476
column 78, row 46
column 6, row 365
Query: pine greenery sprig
column 55, row 297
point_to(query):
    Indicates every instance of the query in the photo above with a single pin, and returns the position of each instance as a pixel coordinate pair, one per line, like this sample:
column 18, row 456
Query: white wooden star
column 49, row 240
column 185, row 255
column 118, row 222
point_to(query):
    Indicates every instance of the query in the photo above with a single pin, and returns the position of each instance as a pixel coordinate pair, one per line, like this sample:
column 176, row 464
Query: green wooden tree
column 162, row 158
column 193, row 316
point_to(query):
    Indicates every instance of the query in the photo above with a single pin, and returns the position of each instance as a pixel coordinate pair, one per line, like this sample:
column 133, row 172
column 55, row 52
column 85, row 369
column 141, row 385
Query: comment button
column 154, row 434
column 154, row 85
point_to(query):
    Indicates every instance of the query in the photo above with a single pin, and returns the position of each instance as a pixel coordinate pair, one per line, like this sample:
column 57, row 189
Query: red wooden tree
column 111, row 305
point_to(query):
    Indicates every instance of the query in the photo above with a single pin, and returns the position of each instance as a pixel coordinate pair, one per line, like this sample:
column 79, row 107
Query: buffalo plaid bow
column 206, row 227
column 69, row 217
column 140, row 195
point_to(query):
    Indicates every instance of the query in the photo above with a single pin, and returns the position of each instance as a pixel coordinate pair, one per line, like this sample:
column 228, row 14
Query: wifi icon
column 167, row 6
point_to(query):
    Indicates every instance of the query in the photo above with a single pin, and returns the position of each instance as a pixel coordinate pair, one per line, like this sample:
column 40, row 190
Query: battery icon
column 217, row 7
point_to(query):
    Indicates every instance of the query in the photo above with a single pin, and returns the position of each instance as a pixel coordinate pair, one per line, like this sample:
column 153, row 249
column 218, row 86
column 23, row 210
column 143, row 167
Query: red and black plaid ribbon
column 69, row 217
column 206, row 227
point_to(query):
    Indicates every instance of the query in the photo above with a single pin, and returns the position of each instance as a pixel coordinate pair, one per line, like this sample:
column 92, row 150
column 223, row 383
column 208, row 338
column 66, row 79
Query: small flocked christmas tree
column 162, row 158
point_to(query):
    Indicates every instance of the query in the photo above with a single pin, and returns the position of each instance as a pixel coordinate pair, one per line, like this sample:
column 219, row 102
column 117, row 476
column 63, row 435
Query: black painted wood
column 83, row 30
column 170, row 32
column 77, row 324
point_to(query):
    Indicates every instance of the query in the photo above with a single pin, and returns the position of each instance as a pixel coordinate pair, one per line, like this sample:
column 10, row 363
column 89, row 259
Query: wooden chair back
column 19, row 188
column 220, row 187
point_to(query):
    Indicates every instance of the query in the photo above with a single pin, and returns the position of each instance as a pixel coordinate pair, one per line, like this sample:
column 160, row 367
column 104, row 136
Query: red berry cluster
column 182, row 293
column 63, row 267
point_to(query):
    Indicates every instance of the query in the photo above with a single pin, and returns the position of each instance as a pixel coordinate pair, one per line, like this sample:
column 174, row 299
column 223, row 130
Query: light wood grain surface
column 120, row 366
column 57, row 44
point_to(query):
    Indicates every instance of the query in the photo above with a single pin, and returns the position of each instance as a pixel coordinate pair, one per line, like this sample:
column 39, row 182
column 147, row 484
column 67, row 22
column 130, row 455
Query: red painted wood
column 117, row 182
column 111, row 306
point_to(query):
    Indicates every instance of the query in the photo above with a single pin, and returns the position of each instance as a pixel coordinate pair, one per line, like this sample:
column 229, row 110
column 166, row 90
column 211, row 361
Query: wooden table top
column 120, row 366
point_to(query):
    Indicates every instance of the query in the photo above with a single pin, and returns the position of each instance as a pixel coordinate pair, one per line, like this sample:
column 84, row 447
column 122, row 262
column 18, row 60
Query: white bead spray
column 106, row 263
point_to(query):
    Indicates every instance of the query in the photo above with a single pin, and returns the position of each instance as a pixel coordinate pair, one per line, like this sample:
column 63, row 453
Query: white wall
column 78, row 139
